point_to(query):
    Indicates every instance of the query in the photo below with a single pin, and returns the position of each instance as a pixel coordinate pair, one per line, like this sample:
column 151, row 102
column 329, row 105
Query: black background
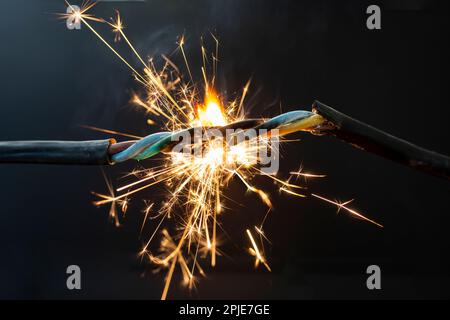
column 54, row 79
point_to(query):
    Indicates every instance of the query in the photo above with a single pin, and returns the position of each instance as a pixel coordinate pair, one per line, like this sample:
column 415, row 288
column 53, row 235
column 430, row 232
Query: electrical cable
column 94, row 152
column 322, row 121
column 370, row 139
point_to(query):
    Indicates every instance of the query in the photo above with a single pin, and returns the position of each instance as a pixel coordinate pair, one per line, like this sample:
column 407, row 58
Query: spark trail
column 196, row 184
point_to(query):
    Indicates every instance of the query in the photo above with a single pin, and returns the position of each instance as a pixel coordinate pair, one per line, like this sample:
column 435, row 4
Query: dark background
column 54, row 79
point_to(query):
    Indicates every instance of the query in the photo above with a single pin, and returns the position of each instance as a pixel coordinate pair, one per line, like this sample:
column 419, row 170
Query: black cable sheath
column 93, row 152
column 373, row 140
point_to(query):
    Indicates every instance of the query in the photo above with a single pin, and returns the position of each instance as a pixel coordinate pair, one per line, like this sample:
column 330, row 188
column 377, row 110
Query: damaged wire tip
column 373, row 140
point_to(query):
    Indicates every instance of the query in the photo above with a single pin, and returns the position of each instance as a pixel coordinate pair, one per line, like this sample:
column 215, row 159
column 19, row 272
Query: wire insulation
column 370, row 139
column 56, row 152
